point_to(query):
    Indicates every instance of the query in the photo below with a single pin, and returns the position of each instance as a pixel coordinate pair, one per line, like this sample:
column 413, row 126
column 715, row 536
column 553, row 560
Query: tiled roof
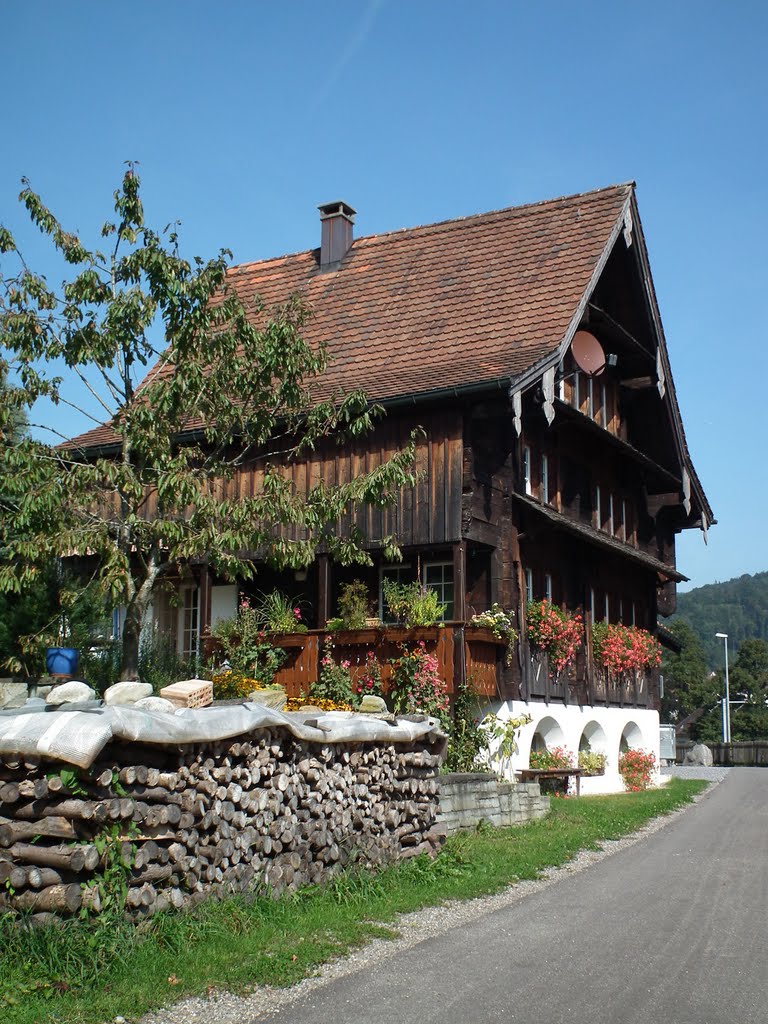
column 458, row 303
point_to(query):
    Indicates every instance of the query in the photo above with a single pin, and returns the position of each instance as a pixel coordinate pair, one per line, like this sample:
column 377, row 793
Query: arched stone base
column 607, row 730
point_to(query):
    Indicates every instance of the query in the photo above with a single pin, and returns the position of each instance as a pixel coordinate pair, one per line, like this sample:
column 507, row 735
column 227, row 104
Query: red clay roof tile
column 460, row 302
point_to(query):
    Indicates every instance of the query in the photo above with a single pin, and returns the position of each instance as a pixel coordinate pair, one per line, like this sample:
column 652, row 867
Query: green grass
column 80, row 974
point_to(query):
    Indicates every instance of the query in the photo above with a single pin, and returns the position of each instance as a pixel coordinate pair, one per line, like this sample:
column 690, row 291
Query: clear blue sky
column 245, row 115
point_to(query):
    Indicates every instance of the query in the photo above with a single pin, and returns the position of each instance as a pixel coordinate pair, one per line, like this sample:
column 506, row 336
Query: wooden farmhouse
column 527, row 344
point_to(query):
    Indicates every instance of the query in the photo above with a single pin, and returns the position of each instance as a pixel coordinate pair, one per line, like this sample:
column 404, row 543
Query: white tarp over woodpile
column 77, row 736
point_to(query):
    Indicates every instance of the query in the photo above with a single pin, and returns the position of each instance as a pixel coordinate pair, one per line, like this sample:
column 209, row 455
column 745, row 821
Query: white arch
column 631, row 736
column 593, row 737
column 549, row 732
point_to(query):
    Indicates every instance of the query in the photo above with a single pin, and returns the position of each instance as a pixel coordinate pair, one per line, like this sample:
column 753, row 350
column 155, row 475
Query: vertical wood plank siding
column 427, row 514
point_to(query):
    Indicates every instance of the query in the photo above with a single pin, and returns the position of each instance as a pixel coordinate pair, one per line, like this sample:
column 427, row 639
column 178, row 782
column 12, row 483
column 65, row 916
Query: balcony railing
column 583, row 682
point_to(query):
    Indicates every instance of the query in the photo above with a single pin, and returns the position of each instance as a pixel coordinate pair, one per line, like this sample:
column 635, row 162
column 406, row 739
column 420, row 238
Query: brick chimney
column 336, row 220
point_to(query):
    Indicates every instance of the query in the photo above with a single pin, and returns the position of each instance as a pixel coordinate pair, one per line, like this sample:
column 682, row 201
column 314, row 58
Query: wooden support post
column 205, row 602
column 460, row 581
column 323, row 590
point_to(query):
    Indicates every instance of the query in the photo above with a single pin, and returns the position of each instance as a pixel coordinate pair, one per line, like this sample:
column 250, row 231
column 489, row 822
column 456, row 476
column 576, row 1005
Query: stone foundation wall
column 467, row 798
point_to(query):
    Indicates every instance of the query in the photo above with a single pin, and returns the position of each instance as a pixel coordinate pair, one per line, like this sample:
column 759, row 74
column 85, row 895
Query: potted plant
column 555, row 632
column 412, row 604
column 500, row 624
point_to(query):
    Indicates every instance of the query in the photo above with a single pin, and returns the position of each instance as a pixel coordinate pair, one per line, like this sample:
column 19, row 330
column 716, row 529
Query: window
column 590, row 397
column 402, row 573
column 189, row 614
column 529, row 584
column 598, row 510
column 548, row 586
column 527, row 469
column 621, row 609
column 438, row 576
column 603, row 405
column 606, row 609
column 545, row 479
column 610, row 513
column 633, row 613
column 623, row 520
column 576, row 390
column 592, row 603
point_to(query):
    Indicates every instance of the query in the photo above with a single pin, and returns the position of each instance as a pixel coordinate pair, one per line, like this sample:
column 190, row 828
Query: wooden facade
column 534, row 479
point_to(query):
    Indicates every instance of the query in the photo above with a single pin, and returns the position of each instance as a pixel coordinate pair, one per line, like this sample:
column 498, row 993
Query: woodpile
column 263, row 811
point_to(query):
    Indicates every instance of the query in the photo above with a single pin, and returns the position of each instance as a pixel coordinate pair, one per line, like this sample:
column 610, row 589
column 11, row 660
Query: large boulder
column 73, row 692
column 127, row 692
column 699, row 756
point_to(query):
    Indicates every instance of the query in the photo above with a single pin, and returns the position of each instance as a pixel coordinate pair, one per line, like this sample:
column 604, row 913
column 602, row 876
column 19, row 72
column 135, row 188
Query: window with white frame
column 590, row 397
column 606, row 608
column 623, row 520
column 189, row 616
column 545, row 479
column 529, row 584
column 403, row 572
column 603, row 405
column 548, row 586
column 592, row 603
column 438, row 576
column 598, row 509
column 527, row 469
column 610, row 513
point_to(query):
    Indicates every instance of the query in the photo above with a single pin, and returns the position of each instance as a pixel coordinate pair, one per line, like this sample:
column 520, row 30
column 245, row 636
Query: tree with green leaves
column 688, row 685
column 223, row 388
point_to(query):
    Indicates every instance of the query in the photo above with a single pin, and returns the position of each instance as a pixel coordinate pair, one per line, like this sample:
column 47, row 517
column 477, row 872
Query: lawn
column 91, row 972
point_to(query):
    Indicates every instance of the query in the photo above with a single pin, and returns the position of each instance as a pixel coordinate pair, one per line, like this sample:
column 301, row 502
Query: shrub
column 297, row 703
column 244, row 643
column 468, row 740
column 353, row 605
column 417, row 686
column 278, row 614
column 555, row 631
column 335, row 682
column 592, row 762
column 636, row 768
column 624, row 648
column 369, row 682
column 159, row 662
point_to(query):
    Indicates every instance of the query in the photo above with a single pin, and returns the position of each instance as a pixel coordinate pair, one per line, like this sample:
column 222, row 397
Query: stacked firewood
column 263, row 811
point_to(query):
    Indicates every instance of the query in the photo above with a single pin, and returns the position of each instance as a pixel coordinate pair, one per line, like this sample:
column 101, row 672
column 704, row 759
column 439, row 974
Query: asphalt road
column 671, row 930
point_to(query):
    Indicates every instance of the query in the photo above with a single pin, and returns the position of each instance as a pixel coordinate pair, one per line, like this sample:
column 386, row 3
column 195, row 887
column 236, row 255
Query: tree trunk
column 129, row 665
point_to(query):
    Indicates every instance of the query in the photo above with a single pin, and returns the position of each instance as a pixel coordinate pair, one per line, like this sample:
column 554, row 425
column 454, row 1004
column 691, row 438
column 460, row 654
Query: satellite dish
column 588, row 353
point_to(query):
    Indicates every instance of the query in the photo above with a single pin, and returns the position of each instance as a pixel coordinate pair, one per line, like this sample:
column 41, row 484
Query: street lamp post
column 727, row 701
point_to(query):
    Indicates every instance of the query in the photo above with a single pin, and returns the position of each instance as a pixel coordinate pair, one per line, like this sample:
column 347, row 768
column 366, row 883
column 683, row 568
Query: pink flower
column 297, row 613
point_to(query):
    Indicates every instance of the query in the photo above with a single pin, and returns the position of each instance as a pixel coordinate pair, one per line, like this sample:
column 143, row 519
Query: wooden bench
column 537, row 774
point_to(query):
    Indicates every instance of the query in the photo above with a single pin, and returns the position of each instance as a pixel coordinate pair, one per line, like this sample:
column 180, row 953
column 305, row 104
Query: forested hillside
column 738, row 607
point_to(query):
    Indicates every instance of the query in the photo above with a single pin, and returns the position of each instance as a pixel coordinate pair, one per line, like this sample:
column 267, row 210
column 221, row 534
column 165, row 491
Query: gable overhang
column 628, row 223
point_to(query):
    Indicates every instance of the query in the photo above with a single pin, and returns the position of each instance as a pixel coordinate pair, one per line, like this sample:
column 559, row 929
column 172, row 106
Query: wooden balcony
column 582, row 682
column 461, row 650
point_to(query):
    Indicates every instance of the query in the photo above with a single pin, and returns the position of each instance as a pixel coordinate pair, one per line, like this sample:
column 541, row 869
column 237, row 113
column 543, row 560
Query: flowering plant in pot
column 555, row 631
column 501, row 625
column 624, row 648
column 546, row 760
